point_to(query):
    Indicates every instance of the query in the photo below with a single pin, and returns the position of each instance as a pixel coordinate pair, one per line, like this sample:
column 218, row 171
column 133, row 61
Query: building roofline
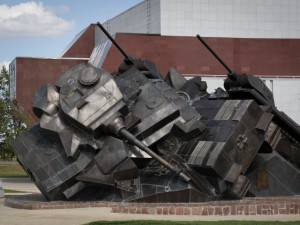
column 65, row 58
column 140, row 34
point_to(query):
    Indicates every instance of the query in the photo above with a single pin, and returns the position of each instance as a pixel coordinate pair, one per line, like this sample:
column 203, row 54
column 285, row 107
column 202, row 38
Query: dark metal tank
column 134, row 136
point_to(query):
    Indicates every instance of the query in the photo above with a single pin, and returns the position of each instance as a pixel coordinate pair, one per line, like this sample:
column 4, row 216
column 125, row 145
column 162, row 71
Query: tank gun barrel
column 113, row 41
column 144, row 65
column 117, row 127
column 131, row 138
column 245, row 81
column 214, row 54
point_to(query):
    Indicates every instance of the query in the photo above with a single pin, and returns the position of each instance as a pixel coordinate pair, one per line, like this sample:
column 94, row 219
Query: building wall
column 231, row 18
column 262, row 57
column 287, row 95
column 83, row 44
column 211, row 18
column 142, row 18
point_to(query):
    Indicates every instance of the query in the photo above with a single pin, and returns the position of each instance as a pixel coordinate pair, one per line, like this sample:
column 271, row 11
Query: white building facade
column 257, row 19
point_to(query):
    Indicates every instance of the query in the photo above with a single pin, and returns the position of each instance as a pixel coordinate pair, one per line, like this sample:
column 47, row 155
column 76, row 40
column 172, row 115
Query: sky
column 44, row 28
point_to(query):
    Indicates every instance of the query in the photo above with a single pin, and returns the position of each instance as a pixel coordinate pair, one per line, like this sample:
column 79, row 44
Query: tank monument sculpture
column 136, row 136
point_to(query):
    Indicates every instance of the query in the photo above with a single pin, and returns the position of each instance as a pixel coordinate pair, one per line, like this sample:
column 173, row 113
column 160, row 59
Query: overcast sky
column 44, row 28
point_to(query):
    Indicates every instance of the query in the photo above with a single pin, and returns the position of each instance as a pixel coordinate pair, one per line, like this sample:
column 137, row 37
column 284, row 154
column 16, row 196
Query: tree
column 10, row 127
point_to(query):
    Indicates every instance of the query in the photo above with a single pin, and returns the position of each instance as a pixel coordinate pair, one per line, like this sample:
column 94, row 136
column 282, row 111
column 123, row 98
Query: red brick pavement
column 246, row 206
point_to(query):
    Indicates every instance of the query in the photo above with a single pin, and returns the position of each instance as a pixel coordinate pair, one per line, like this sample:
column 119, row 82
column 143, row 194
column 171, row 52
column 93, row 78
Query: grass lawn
column 11, row 169
column 147, row 222
column 7, row 192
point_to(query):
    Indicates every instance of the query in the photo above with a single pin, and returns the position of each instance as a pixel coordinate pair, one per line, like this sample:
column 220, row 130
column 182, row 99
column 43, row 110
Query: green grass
column 7, row 191
column 11, row 170
column 153, row 222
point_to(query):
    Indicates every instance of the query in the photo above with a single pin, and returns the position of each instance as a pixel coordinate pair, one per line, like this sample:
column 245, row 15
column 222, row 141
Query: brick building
column 259, row 37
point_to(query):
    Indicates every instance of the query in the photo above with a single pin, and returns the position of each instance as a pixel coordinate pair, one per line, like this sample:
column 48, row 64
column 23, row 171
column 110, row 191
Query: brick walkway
column 246, row 206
